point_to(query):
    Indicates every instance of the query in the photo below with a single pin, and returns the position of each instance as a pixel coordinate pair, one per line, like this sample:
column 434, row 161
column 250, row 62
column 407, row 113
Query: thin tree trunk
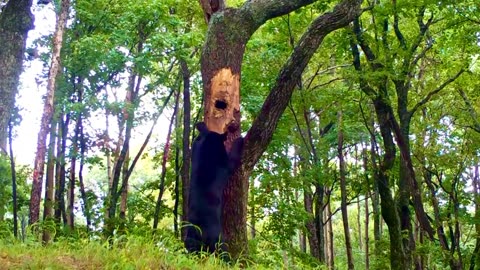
column 343, row 191
column 60, row 212
column 128, row 112
column 124, row 195
column 359, row 225
column 367, row 239
column 177, row 172
column 83, row 149
column 326, row 234
column 14, row 179
column 311, row 228
column 38, row 168
column 319, row 187
column 475, row 259
column 367, row 214
column 185, row 143
column 166, row 151
column 73, row 168
column 253, row 219
column 331, row 250
column 49, row 186
column 398, row 258
column 71, row 183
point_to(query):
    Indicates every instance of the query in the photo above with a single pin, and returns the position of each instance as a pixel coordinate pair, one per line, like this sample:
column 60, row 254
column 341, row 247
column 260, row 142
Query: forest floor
column 94, row 255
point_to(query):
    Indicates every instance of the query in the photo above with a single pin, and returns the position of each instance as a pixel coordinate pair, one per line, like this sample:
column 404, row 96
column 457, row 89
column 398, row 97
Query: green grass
column 134, row 253
column 139, row 249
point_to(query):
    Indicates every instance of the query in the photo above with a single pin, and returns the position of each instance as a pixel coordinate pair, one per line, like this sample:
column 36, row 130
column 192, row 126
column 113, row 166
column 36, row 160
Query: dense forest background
column 361, row 122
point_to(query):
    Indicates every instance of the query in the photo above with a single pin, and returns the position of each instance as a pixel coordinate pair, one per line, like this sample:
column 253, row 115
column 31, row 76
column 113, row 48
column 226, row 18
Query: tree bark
column 128, row 112
column 311, row 228
column 83, row 193
column 229, row 31
column 60, row 169
column 177, row 169
column 186, row 155
column 343, row 191
column 38, row 168
column 16, row 20
column 331, row 252
column 73, row 171
column 367, row 211
column 14, row 179
column 475, row 259
column 50, row 180
column 389, row 212
column 166, row 151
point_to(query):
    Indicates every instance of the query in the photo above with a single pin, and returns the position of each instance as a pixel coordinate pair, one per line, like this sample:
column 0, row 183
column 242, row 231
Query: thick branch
column 262, row 10
column 261, row 132
column 398, row 33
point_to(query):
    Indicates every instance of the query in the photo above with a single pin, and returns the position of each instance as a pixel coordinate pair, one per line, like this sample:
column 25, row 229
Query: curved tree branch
column 262, row 10
column 263, row 127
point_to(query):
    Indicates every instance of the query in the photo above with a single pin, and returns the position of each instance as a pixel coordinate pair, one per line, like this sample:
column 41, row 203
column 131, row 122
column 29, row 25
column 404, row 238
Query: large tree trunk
column 38, row 168
column 221, row 60
column 16, row 20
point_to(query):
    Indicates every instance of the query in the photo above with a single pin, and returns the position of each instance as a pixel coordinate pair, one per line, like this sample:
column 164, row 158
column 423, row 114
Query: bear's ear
column 202, row 127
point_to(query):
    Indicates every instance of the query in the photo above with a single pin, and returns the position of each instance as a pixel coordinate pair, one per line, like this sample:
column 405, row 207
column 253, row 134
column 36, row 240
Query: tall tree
column 186, row 155
column 16, row 20
column 48, row 110
column 343, row 191
column 229, row 31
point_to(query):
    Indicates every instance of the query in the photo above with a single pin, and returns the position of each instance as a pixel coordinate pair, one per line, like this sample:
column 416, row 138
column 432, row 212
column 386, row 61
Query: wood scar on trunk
column 224, row 100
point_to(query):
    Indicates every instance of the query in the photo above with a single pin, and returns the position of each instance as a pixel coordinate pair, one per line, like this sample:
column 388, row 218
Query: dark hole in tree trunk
column 220, row 104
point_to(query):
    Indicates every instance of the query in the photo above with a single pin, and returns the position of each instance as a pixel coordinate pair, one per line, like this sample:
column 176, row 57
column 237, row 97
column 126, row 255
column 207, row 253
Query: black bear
column 211, row 168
